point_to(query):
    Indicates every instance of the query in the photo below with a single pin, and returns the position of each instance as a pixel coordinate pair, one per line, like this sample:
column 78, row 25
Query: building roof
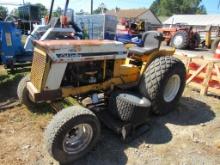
column 127, row 13
column 196, row 20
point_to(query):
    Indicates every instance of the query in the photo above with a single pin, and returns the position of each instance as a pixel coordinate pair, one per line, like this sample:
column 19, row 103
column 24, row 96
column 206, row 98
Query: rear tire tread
column 153, row 80
column 185, row 41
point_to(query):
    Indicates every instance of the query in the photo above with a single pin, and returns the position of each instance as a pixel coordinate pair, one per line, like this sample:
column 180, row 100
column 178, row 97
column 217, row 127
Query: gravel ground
column 189, row 135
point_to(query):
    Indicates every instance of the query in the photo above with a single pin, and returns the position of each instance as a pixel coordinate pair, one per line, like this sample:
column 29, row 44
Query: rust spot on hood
column 56, row 44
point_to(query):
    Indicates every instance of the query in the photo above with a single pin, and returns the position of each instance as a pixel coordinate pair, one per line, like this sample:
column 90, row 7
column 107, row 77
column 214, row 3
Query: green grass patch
column 10, row 78
column 13, row 77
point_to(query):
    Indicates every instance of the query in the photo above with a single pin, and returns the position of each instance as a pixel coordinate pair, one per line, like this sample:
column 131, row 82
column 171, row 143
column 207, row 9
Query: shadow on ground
column 111, row 150
column 8, row 87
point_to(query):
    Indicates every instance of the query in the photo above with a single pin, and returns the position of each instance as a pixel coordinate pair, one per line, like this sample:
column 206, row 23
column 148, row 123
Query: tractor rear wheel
column 180, row 40
column 195, row 41
column 23, row 94
column 163, row 83
column 215, row 44
column 71, row 134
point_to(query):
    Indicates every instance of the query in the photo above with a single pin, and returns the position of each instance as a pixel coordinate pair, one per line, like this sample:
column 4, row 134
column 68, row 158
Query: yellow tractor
column 110, row 85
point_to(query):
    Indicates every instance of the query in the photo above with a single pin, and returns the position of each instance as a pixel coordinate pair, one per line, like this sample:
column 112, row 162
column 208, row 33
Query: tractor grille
column 38, row 69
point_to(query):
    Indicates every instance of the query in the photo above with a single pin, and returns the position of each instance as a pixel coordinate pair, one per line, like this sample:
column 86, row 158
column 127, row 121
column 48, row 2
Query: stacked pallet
column 203, row 73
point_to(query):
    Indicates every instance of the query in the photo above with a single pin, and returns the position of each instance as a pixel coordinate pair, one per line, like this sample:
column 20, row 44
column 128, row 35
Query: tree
column 101, row 9
column 82, row 12
column 58, row 12
column 3, row 12
column 170, row 7
column 14, row 12
column 43, row 10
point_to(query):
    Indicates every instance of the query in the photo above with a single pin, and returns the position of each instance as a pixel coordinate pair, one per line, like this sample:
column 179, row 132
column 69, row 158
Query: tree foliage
column 15, row 12
column 43, row 10
column 57, row 12
column 170, row 7
column 101, row 9
column 3, row 12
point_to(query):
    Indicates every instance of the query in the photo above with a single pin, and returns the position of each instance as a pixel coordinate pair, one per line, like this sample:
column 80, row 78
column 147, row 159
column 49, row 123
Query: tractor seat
column 151, row 43
column 142, row 51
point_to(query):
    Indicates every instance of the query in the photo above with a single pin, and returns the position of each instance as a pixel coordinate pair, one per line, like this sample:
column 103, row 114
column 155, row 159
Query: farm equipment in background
column 12, row 52
column 28, row 16
column 11, row 49
column 55, row 28
column 130, row 31
column 181, row 36
column 211, row 41
column 215, row 44
column 97, row 26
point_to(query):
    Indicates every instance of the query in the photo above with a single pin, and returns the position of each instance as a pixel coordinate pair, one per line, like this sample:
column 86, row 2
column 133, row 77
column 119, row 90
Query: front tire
column 23, row 94
column 72, row 133
column 163, row 83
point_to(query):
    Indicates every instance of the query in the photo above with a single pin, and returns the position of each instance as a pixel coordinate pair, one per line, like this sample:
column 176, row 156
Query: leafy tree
column 101, row 9
column 3, row 12
column 14, row 12
column 82, row 12
column 58, row 12
column 170, row 7
column 43, row 10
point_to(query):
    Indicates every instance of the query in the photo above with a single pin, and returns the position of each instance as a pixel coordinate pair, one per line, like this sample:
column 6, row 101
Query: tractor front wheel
column 71, row 134
column 163, row 83
column 23, row 94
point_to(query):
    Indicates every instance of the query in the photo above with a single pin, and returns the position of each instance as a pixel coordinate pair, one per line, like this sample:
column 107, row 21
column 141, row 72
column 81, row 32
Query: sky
column 77, row 5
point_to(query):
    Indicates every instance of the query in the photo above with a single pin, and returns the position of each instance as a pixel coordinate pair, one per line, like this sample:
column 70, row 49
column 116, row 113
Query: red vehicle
column 180, row 36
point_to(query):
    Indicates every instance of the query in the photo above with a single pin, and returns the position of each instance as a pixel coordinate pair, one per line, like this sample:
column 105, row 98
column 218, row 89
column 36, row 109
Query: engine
column 85, row 73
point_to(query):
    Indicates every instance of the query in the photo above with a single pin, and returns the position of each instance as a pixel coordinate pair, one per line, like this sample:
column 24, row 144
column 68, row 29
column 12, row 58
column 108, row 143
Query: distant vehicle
column 130, row 31
column 28, row 15
column 181, row 36
column 11, row 48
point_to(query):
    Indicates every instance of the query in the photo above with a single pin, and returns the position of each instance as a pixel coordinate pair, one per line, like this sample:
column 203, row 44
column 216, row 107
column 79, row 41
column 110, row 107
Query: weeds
column 12, row 77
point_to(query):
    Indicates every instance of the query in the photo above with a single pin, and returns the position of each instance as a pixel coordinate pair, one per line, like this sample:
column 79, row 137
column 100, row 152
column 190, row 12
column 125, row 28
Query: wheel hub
column 178, row 40
column 172, row 88
column 78, row 138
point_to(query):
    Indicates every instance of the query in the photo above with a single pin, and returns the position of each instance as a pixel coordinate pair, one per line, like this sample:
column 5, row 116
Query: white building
column 195, row 20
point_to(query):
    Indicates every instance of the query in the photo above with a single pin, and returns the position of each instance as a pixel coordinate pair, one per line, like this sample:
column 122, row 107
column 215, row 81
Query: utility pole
column 91, row 6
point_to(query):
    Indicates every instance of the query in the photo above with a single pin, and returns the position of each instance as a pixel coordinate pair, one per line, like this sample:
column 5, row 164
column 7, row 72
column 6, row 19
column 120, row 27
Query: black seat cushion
column 142, row 50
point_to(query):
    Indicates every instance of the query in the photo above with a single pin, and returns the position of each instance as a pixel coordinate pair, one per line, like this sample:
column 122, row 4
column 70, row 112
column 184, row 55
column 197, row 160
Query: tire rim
column 78, row 138
column 172, row 87
column 178, row 40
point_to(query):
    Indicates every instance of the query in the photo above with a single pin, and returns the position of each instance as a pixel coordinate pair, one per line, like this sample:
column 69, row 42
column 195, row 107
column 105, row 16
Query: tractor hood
column 81, row 50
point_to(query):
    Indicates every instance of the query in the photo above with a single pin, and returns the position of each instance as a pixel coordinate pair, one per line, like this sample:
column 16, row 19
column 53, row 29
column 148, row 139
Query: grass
column 11, row 77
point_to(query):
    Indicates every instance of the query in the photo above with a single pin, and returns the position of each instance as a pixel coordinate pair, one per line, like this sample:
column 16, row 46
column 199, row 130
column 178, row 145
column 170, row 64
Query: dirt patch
column 189, row 135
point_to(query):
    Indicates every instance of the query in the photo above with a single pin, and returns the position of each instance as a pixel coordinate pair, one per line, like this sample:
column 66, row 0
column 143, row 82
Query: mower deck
column 128, row 130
